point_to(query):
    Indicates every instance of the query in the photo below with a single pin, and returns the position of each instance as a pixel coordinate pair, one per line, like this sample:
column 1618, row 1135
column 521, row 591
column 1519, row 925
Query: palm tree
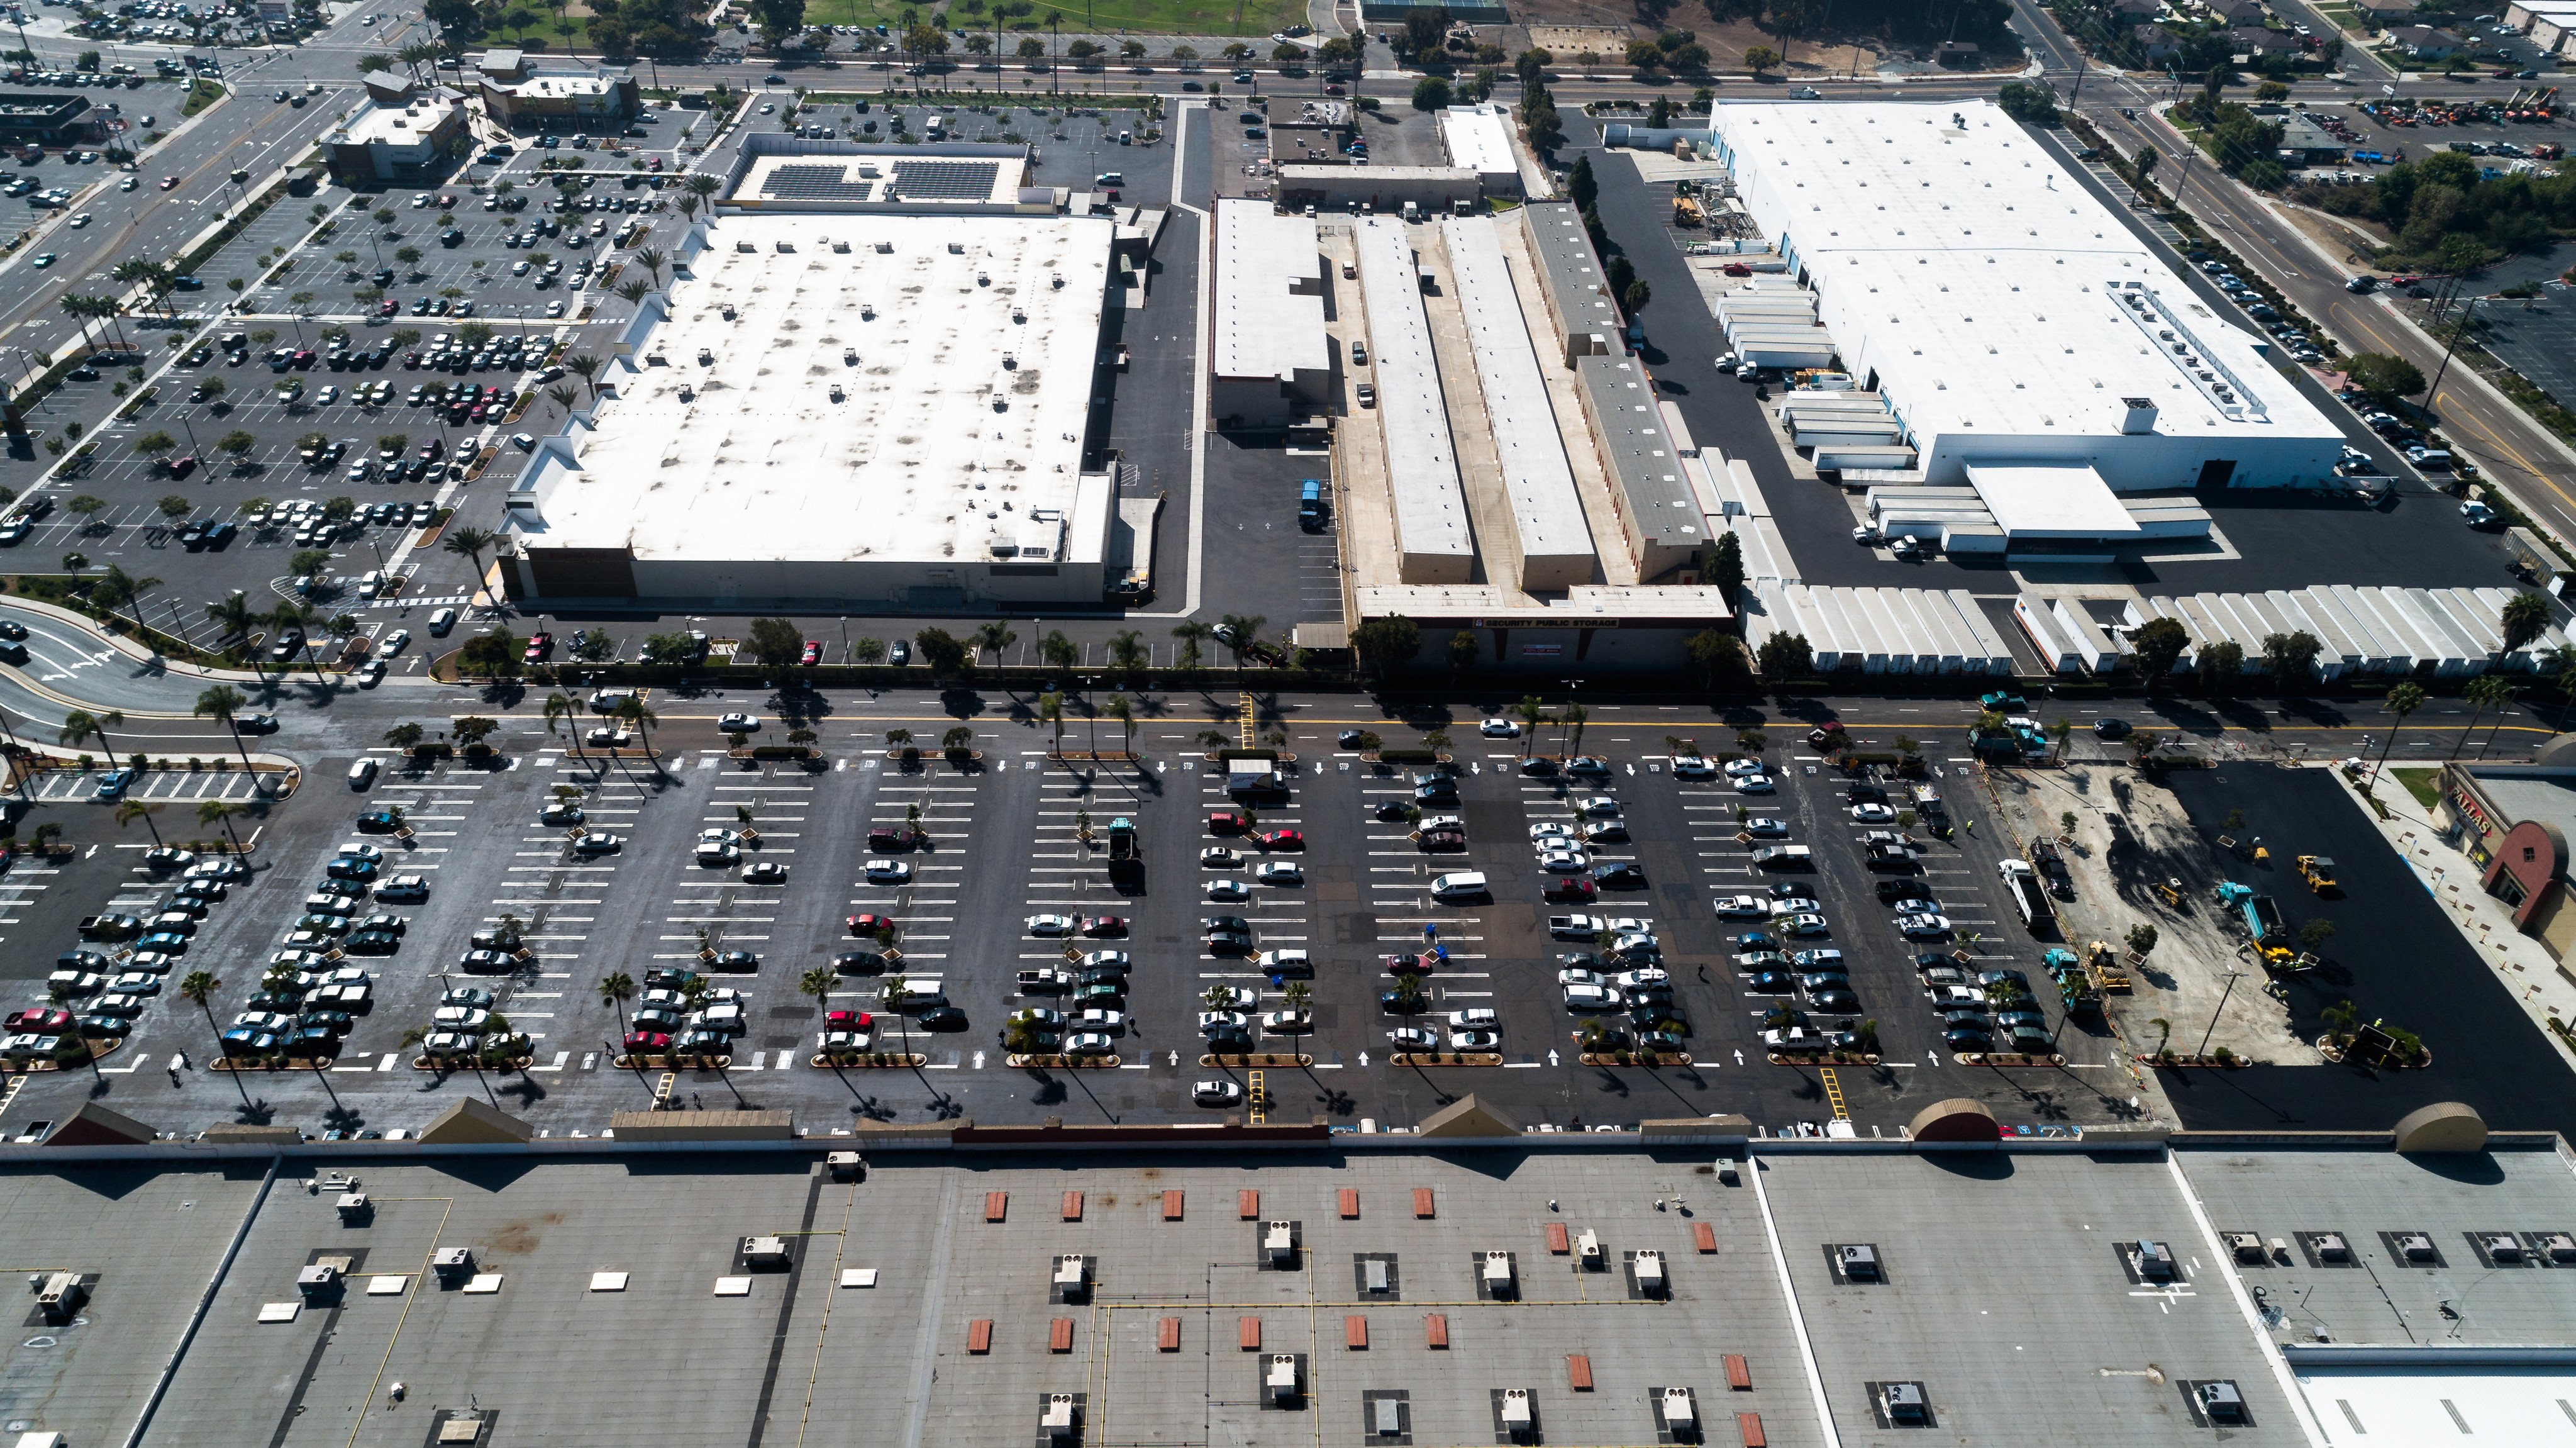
column 993, row 637
column 291, row 614
column 222, row 703
column 218, row 812
column 585, row 367
column 652, row 260
column 469, row 543
column 819, row 983
column 1126, row 651
column 2485, row 691
column 1572, row 719
column 1236, row 632
column 1189, row 632
column 2403, row 700
column 896, row 991
column 116, row 587
column 233, row 614
column 130, row 810
column 1051, row 711
column 2503, row 700
column 79, row 724
column 632, row 711
column 1533, row 714
column 200, row 986
column 1125, row 713
column 559, row 706
column 615, row 989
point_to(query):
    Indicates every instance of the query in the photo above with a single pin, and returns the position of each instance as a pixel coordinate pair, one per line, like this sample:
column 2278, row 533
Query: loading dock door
column 2215, row 473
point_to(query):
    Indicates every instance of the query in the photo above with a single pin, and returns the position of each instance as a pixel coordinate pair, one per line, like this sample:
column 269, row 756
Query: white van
column 441, row 621
column 1462, row 884
column 1785, row 857
column 362, row 774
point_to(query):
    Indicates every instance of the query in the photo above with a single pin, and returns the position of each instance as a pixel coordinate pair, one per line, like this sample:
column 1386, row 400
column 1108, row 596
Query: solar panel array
column 815, row 183
column 945, row 180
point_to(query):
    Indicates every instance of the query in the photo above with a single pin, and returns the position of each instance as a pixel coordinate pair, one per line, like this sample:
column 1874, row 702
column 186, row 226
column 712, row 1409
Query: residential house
column 2424, row 42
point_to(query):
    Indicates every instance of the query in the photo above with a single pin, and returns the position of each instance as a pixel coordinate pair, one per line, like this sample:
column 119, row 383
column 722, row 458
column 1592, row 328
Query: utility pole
column 2233, row 975
column 2468, row 313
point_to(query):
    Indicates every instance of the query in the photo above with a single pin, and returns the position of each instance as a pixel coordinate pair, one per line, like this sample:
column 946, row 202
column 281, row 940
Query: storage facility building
column 1269, row 357
column 1432, row 531
column 1547, row 514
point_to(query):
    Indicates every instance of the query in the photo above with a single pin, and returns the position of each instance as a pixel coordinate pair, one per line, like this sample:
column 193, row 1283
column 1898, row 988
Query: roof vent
column 2139, row 416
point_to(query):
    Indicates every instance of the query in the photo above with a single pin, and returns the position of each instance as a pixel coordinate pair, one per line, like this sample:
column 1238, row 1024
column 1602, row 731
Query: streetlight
column 2233, row 974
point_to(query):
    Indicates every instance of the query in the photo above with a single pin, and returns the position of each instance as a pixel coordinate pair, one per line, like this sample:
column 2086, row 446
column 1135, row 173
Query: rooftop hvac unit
column 355, row 1207
column 1650, row 1273
column 1280, row 1241
column 1058, row 281
column 706, row 356
column 1588, row 1248
column 1058, row 1421
column 1498, row 1271
column 837, row 394
column 839, row 247
column 2501, row 1246
column 1860, row 1261
column 317, row 1280
column 846, row 1166
column 1389, row 1419
column 1373, row 1274
column 764, row 1251
column 849, row 356
column 1020, row 315
column 869, row 170
column 2222, row 1403
column 2415, row 1246
column 1678, row 1412
column 867, row 311
column 452, row 1262
column 1904, row 1403
column 59, row 1294
column 2331, row 1247
column 2246, row 1246
column 746, row 246
column 956, row 248
column 1281, row 1379
column 884, row 248
column 43, row 1440
column 1069, row 1271
column 983, row 278
column 2560, row 1246
column 1517, row 1416
column 1010, row 361
column 2153, row 1260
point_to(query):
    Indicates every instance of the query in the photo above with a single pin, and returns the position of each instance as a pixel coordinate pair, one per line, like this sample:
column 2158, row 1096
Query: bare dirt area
column 2129, row 835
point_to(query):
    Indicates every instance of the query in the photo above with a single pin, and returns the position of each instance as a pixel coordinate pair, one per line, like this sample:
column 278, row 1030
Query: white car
column 738, row 724
column 1236, row 998
column 459, row 1018
column 1755, row 784
column 1090, row 1043
column 889, row 872
column 1924, row 927
column 1287, row 1023
column 1474, row 1040
column 599, row 844
column 1739, row 768
column 1414, row 1038
column 1228, row 890
column 1280, row 872
column 1218, row 857
column 1576, row 975
column 1216, row 1093
column 1479, row 1018
column 360, row 850
column 392, row 643
column 1795, row 905
column 1052, row 924
column 1644, row 975
column 404, row 887
column 1743, row 907
column 1220, row 1022
column 1806, row 923
column 1563, row 862
column 81, row 220
column 1599, row 806
column 1551, row 830
column 1499, row 729
column 1691, row 766
column 1592, row 998
column 1873, row 814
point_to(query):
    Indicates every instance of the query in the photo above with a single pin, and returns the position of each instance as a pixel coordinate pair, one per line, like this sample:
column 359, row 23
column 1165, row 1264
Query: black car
column 2111, row 728
column 1865, row 794
column 1350, row 738
column 1392, row 809
column 12, row 630
column 1229, row 942
column 372, row 942
column 858, row 962
column 1835, row 1000
column 671, row 979
column 735, row 960
column 1621, row 876
column 1226, row 924
column 941, row 1018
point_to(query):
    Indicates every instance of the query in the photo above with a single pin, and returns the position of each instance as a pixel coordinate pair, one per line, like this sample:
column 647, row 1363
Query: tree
column 2403, row 700
column 2291, row 659
column 1463, row 649
column 87, row 507
column 494, row 653
column 2316, row 932
column 559, row 708
column 1532, row 714
column 2158, row 645
column 1759, row 58
column 1581, row 185
column 1190, row 632
column 615, row 989
column 233, row 615
column 1124, row 712
column 1430, row 93
column 2486, row 691
column 993, row 636
column 1236, row 631
column 2141, row 938
column 1383, row 645
column 1031, row 49
column 236, row 444
column 778, row 20
column 468, row 543
column 1786, row 656
column 1051, row 712
column 775, row 642
column 129, row 810
column 1726, row 566
column 222, row 703
column 2524, row 616
column 941, row 652
column 1634, row 296
column 2221, row 665
column 1127, row 651
column 1714, row 656
column 2145, row 160
column 2030, row 104
column 2386, row 378
column 79, row 724
column 221, row 812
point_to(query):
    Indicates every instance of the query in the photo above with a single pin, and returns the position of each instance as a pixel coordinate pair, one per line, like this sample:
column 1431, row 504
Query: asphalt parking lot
column 1004, row 847
column 2394, row 955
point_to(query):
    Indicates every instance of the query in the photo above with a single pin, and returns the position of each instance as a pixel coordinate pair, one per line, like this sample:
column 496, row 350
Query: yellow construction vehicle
column 2104, row 969
column 2319, row 872
column 1686, row 212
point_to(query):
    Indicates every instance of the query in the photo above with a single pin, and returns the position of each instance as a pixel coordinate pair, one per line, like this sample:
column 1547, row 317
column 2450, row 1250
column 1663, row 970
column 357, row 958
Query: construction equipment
column 1686, row 212
column 2103, row 968
column 2319, row 872
column 2263, row 922
column 2172, row 895
column 2231, row 894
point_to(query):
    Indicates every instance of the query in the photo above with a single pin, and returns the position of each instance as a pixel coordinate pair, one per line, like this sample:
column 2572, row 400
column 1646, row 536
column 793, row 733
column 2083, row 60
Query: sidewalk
column 2544, row 989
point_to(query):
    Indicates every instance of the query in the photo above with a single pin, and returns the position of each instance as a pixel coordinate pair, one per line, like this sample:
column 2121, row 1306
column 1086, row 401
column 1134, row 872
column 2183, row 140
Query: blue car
column 113, row 784
column 345, row 868
column 168, row 942
column 248, row 1041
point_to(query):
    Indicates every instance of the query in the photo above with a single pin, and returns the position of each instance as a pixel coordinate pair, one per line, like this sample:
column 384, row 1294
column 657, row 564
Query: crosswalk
column 174, row 786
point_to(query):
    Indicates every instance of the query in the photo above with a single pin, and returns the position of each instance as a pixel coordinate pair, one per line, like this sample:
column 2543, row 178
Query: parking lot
column 1003, row 845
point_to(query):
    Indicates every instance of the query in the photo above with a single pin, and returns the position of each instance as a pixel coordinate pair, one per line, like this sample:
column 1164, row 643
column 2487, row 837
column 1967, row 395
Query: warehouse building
column 1382, row 189
column 2006, row 317
column 2363, row 630
column 1269, row 358
column 864, row 408
column 1554, row 539
column 1479, row 139
column 1432, row 531
column 1879, row 630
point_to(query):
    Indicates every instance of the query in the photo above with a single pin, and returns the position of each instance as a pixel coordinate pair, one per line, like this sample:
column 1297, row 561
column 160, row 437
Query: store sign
column 2460, row 801
column 1541, row 650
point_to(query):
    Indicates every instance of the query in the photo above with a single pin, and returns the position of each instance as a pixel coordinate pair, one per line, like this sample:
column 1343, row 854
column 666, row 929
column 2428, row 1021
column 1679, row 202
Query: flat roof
column 1326, row 171
column 1661, row 507
column 725, row 441
column 1565, row 259
column 2064, row 500
column 1421, row 460
column 836, row 172
column 1954, row 257
column 1529, row 443
column 560, row 83
column 2526, row 793
column 1478, row 139
column 408, row 124
column 1269, row 296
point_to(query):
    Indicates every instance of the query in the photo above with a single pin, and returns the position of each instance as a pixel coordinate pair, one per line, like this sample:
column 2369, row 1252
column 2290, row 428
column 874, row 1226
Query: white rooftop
column 2043, row 500
column 1269, row 293
column 727, row 443
column 1547, row 512
column 560, row 83
column 408, row 124
column 1421, row 461
column 1953, row 257
column 1478, row 139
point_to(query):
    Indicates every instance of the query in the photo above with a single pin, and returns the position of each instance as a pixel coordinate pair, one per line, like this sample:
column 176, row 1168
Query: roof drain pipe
column 179, row 1351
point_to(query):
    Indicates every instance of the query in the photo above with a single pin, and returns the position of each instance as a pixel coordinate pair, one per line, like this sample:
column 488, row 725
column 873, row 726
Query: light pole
column 2233, row 974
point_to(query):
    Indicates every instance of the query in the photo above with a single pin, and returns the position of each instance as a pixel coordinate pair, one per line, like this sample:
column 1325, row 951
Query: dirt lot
column 2127, row 836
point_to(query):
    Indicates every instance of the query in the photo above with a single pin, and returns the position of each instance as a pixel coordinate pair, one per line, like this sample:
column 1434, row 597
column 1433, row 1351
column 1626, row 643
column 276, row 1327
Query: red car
column 1570, row 888
column 40, row 1019
column 388, row 307
column 647, row 1041
column 539, row 645
column 1411, row 964
column 1281, row 840
column 1097, row 926
column 848, row 1021
column 1738, row 269
column 169, row 181
column 813, row 652
column 1225, row 822
column 869, row 925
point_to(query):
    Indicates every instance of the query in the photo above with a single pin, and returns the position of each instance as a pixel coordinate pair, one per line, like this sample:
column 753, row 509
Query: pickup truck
column 110, row 927
column 1045, row 982
column 1574, row 927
